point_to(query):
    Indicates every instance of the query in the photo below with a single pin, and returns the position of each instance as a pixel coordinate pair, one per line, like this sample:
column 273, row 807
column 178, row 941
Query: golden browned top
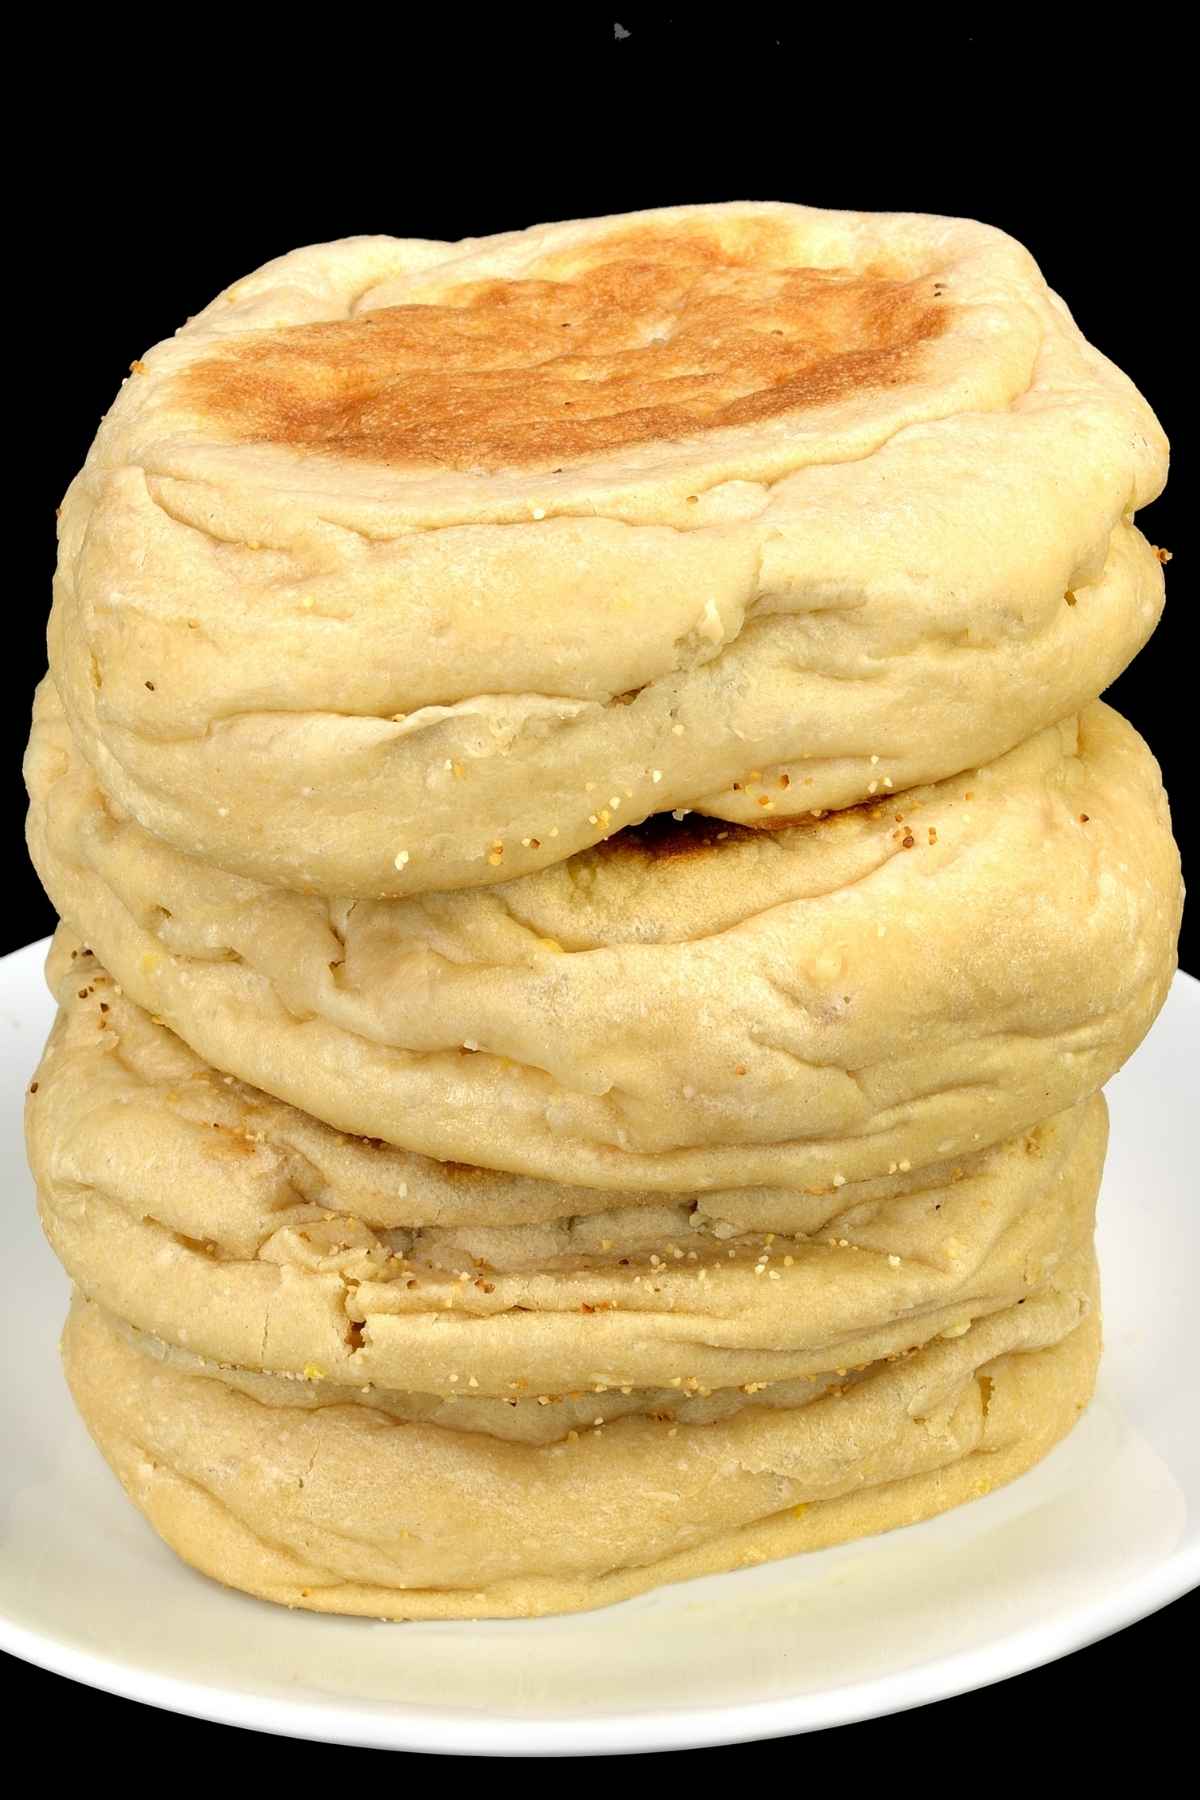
column 658, row 333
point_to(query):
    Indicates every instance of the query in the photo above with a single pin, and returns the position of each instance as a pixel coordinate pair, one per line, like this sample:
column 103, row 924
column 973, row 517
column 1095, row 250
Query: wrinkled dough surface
column 340, row 1507
column 797, row 714
column 686, row 1007
column 186, row 1206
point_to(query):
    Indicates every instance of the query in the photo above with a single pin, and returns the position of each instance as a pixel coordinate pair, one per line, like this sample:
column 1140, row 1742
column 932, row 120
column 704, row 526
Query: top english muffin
column 410, row 566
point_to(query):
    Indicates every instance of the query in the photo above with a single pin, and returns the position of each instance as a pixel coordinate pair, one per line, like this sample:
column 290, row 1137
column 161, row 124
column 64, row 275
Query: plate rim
column 421, row 1731
column 433, row 1731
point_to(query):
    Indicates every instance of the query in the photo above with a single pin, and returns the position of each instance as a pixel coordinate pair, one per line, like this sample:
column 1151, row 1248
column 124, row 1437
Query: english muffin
column 408, row 566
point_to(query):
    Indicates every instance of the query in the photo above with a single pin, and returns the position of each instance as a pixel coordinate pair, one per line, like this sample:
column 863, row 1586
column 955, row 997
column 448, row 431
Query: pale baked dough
column 219, row 1220
column 316, row 1497
column 409, row 566
column 688, row 1006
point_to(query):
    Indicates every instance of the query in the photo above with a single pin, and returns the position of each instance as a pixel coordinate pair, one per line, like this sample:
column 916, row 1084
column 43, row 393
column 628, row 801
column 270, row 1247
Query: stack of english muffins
column 598, row 899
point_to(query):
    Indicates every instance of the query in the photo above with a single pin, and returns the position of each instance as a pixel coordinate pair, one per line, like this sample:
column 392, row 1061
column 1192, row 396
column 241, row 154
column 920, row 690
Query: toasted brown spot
column 465, row 1172
column 662, row 836
column 657, row 333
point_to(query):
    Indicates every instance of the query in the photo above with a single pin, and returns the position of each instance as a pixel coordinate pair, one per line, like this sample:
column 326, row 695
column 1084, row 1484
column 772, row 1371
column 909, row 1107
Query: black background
column 162, row 169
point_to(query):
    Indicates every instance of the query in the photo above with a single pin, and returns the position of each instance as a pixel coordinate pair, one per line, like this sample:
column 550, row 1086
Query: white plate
column 1103, row 1532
